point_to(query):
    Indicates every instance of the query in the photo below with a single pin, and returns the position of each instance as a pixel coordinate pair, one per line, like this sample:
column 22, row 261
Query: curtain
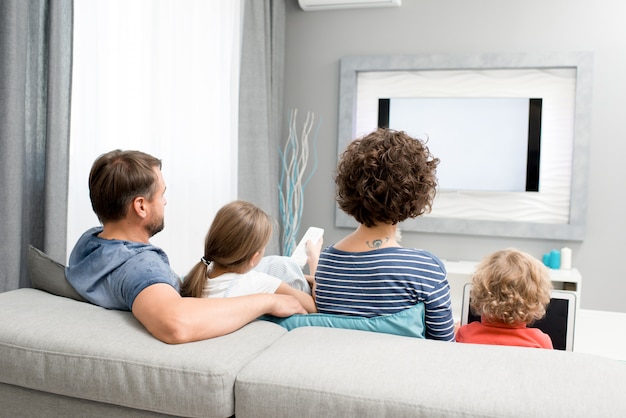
column 261, row 106
column 35, row 76
column 160, row 76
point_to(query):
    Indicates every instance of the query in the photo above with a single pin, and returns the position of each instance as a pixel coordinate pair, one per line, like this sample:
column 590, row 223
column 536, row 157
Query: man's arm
column 174, row 319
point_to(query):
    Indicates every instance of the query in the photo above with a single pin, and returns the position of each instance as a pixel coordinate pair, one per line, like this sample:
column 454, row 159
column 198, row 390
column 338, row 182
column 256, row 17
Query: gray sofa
column 62, row 357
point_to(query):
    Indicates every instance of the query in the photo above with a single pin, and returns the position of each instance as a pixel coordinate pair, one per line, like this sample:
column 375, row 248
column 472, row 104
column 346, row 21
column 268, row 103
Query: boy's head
column 511, row 287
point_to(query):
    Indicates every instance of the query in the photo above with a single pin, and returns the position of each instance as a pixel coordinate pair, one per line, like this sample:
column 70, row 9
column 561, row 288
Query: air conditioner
column 312, row 5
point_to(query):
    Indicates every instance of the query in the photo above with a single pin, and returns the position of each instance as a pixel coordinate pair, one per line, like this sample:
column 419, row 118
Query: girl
column 234, row 245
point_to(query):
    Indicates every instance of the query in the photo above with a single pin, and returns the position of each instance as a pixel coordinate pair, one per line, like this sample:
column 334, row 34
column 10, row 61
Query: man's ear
column 140, row 207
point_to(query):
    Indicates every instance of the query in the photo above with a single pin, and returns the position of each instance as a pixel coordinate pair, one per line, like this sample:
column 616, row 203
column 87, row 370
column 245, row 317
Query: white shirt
column 235, row 284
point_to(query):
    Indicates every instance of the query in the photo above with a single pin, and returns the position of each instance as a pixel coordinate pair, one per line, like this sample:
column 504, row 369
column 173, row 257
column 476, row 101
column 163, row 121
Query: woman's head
column 510, row 287
column 386, row 177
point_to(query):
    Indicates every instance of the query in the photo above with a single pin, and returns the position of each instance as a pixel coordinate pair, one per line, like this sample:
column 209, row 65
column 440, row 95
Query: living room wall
column 316, row 41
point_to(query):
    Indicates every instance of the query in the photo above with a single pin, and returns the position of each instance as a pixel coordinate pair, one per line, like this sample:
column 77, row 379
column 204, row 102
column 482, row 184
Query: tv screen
column 489, row 144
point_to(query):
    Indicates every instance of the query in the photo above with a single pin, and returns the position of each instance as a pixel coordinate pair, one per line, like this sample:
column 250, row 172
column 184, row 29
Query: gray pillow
column 48, row 275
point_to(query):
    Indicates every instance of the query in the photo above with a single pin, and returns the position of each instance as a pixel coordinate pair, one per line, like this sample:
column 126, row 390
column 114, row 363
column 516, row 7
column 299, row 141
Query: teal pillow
column 408, row 323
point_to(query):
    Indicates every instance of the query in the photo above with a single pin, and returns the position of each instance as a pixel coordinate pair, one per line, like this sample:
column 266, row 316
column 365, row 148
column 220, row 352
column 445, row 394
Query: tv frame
column 574, row 229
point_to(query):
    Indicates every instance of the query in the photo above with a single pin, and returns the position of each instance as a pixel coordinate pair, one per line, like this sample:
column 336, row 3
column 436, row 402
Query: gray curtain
column 35, row 82
column 261, row 106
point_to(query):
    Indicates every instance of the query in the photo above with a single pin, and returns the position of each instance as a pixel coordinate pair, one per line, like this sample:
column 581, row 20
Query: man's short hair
column 117, row 178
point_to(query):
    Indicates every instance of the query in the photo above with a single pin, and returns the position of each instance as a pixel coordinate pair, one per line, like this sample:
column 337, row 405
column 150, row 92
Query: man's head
column 119, row 177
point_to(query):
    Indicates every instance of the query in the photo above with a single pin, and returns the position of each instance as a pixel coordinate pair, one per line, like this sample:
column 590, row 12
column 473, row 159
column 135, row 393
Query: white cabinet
column 599, row 333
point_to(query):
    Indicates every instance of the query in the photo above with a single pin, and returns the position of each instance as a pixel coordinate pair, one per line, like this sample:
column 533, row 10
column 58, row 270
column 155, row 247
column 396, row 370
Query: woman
column 383, row 179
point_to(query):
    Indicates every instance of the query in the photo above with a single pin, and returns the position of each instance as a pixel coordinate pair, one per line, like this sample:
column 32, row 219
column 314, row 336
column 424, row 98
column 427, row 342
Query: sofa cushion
column 49, row 275
column 408, row 322
column 323, row 372
column 58, row 345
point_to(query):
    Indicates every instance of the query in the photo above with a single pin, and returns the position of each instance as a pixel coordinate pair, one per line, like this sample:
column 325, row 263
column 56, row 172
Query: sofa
column 63, row 357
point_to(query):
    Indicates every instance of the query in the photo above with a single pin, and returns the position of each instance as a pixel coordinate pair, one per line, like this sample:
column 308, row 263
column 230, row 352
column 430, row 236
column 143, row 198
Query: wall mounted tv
column 511, row 131
column 484, row 143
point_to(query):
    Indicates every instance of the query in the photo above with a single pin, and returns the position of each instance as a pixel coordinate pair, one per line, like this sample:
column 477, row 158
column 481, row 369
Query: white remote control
column 313, row 234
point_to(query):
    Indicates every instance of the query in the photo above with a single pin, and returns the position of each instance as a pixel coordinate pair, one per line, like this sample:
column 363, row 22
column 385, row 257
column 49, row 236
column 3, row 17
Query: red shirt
column 502, row 334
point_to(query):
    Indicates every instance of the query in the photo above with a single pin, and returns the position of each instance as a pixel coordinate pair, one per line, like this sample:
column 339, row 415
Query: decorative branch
column 294, row 159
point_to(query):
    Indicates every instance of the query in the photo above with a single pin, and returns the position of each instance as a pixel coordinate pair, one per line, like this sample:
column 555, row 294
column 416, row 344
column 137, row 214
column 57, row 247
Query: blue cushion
column 408, row 323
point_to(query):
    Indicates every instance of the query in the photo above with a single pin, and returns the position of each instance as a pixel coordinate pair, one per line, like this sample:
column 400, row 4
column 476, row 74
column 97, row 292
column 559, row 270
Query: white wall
column 316, row 41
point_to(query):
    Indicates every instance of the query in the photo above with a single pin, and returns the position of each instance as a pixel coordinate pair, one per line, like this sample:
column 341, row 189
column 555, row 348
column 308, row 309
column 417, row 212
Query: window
column 160, row 76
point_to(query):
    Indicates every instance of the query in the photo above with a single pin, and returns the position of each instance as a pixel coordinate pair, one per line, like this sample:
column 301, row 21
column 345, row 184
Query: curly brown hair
column 386, row 176
column 510, row 287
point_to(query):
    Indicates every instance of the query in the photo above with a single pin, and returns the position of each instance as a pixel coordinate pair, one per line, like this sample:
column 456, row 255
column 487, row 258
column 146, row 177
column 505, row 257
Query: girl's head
column 239, row 230
column 510, row 287
column 236, row 239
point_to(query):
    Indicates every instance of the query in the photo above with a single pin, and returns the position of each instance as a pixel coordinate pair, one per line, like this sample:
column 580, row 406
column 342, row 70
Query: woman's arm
column 438, row 313
column 313, row 251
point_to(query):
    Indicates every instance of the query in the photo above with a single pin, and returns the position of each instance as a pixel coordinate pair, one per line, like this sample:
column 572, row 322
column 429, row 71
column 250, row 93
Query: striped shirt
column 385, row 281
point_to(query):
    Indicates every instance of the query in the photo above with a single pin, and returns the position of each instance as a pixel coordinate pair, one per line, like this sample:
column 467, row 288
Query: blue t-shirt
column 111, row 273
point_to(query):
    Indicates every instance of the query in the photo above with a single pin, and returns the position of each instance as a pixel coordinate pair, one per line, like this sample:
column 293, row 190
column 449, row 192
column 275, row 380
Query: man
column 116, row 267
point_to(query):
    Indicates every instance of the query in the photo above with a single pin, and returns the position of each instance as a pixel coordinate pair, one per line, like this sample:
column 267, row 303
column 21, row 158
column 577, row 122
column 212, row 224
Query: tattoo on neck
column 377, row 242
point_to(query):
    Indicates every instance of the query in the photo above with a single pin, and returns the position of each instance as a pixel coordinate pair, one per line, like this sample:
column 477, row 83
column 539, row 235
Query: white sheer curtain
column 160, row 76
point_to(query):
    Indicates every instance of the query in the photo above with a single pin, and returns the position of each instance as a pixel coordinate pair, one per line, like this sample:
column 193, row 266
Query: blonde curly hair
column 510, row 287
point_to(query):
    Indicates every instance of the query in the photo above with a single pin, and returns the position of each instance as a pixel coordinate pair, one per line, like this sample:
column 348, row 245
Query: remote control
column 313, row 234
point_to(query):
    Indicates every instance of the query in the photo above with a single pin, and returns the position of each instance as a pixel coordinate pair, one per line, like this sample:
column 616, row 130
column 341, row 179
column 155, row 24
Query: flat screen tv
column 512, row 132
column 483, row 143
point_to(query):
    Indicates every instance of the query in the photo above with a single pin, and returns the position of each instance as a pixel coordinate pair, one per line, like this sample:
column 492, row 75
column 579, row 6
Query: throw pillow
column 408, row 323
column 49, row 275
